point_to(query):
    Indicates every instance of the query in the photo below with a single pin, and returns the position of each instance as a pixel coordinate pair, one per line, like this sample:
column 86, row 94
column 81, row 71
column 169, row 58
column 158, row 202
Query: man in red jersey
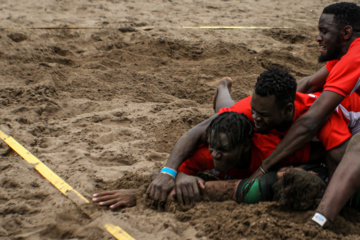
column 231, row 135
column 276, row 90
column 339, row 41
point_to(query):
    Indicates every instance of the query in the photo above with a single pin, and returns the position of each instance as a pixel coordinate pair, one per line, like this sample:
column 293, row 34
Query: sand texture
column 102, row 103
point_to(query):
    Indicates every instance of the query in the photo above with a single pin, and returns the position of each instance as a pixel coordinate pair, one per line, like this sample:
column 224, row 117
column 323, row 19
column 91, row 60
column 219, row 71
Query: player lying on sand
column 274, row 105
column 292, row 188
column 232, row 132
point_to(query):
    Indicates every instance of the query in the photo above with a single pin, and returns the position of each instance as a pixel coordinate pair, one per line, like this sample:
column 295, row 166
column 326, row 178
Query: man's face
column 266, row 113
column 224, row 156
column 329, row 38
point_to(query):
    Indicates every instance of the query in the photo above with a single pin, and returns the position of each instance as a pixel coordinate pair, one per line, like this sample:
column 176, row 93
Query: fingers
column 201, row 184
column 191, row 195
column 102, row 197
column 108, row 202
column 163, row 197
column 116, row 199
column 187, row 189
column 172, row 193
column 157, row 193
column 179, row 195
column 196, row 192
column 183, row 195
column 95, row 195
column 151, row 191
column 160, row 188
column 117, row 205
column 123, row 204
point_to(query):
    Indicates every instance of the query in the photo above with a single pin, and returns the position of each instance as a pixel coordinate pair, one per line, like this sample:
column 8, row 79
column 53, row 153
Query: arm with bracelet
column 164, row 183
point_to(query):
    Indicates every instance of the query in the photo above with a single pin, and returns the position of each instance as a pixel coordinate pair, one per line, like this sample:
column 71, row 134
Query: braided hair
column 345, row 13
column 278, row 82
column 237, row 127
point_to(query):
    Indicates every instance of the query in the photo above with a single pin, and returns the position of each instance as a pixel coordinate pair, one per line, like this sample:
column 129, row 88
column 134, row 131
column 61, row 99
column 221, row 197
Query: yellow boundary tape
column 66, row 27
column 230, row 27
column 49, row 28
column 143, row 28
column 60, row 184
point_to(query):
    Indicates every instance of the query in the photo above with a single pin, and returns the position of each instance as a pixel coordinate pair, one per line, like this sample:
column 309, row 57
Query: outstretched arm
column 219, row 190
column 117, row 198
column 242, row 191
column 159, row 189
column 303, row 129
column 313, row 83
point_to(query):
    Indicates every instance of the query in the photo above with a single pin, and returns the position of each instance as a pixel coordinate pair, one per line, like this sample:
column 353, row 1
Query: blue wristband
column 169, row 171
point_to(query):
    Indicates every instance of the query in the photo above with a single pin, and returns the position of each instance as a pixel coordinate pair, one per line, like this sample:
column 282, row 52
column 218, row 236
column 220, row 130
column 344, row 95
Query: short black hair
column 278, row 82
column 345, row 13
column 236, row 126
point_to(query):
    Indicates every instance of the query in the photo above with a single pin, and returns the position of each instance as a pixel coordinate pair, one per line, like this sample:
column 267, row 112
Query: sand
column 103, row 103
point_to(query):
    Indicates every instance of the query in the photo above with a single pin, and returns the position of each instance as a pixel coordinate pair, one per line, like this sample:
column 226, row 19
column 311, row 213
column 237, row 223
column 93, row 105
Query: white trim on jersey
column 353, row 117
column 356, row 86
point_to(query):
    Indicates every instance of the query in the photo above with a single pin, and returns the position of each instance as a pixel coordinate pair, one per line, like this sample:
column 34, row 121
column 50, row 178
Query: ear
column 289, row 108
column 347, row 32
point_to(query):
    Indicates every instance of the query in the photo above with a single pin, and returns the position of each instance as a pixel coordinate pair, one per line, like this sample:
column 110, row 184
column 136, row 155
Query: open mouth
column 323, row 49
column 257, row 126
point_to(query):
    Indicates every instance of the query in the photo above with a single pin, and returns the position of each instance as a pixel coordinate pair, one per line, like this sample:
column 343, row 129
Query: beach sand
column 102, row 103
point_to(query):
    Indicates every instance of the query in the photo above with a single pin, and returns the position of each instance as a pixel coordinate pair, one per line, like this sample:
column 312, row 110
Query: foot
column 225, row 83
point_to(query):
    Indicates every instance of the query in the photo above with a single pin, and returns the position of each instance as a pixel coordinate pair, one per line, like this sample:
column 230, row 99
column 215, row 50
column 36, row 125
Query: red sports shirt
column 332, row 134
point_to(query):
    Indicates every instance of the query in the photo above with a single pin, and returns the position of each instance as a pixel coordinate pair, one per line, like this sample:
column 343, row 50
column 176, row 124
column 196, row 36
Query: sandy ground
column 103, row 107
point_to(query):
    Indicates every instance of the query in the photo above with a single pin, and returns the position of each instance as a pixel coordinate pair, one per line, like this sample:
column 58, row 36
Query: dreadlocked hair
column 345, row 13
column 237, row 127
column 278, row 82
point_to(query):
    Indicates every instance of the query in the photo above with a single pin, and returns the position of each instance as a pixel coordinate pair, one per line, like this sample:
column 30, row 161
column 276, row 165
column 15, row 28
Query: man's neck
column 286, row 123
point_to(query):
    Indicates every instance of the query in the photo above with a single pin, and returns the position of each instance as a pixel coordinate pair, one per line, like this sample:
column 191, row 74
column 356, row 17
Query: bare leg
column 222, row 96
column 334, row 156
column 344, row 183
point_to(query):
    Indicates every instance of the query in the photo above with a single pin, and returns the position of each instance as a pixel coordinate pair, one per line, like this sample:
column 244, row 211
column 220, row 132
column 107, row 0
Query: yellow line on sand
column 117, row 231
column 230, row 27
column 141, row 28
column 49, row 28
column 60, row 184
column 68, row 27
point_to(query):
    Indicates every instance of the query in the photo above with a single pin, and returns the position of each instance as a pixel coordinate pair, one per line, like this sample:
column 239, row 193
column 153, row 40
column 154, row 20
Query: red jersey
column 350, row 109
column 262, row 145
column 332, row 134
column 344, row 79
column 344, row 76
column 331, row 64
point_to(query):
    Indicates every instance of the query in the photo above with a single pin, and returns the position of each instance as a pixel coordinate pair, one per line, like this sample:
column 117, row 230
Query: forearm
column 313, row 83
column 301, row 132
column 303, row 85
column 344, row 183
column 220, row 190
column 187, row 144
